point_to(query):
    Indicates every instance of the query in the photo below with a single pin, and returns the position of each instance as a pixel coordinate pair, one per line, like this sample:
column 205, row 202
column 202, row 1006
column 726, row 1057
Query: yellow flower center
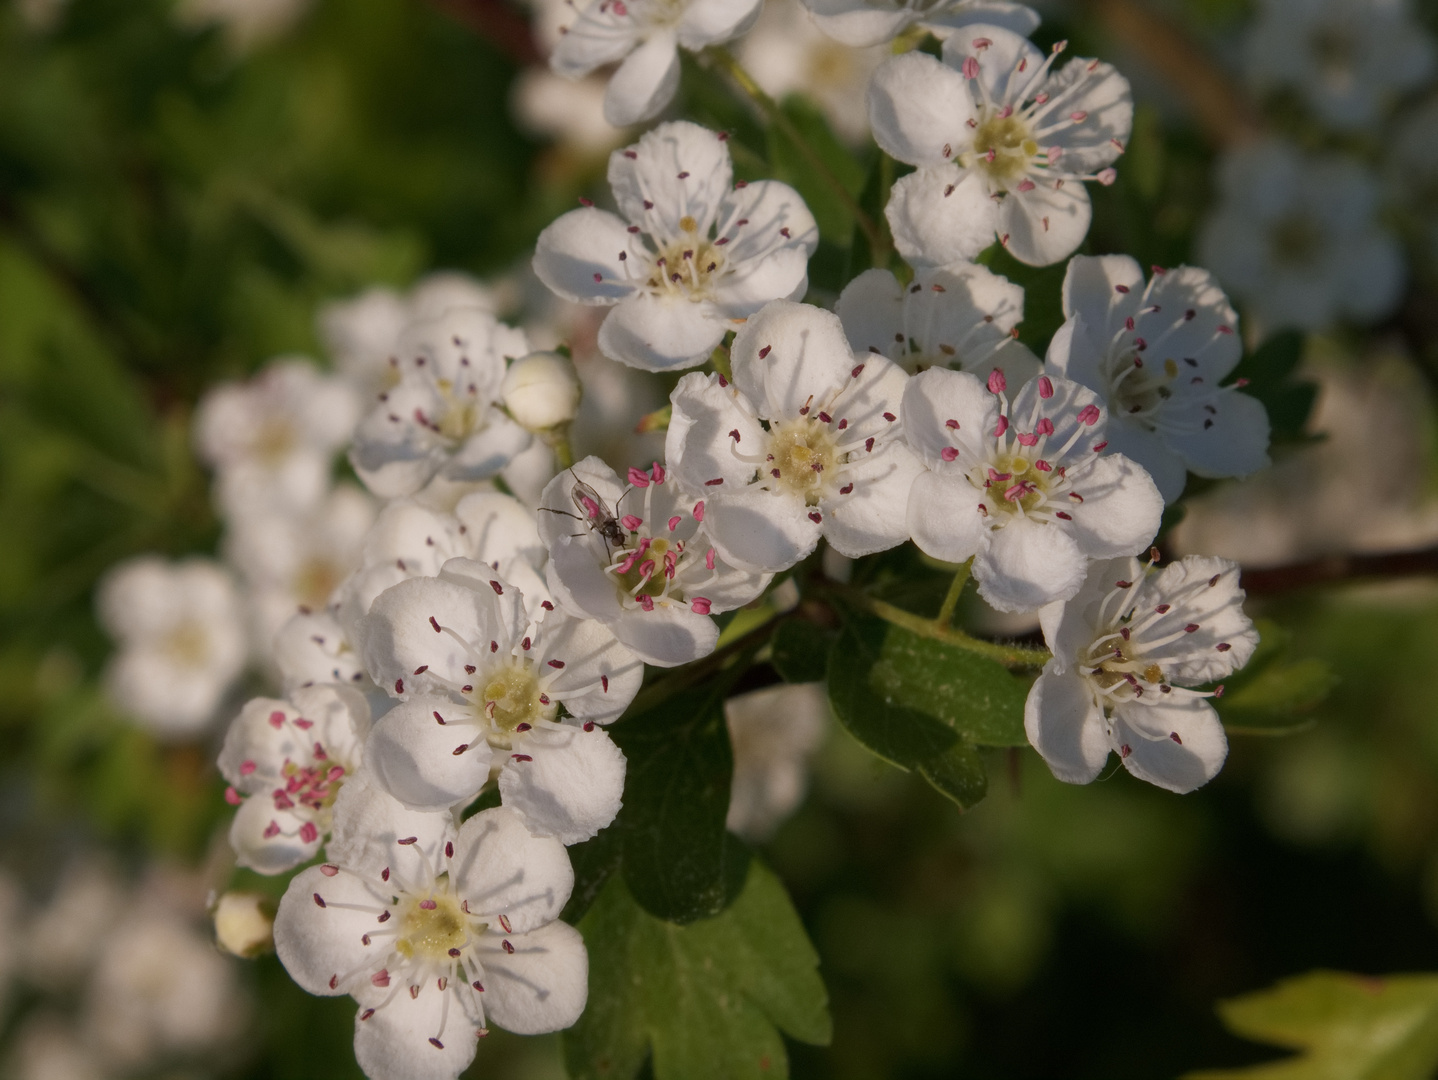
column 801, row 452
column 431, row 926
column 1003, row 147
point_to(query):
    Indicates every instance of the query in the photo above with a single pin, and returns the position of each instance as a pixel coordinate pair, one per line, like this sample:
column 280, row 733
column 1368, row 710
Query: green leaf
column 871, row 698
column 975, row 696
column 801, row 651
column 678, row 861
column 1347, row 1027
column 707, row 999
column 1269, row 370
column 1273, row 694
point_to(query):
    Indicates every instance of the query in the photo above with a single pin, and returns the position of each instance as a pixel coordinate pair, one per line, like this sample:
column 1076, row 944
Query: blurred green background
column 172, row 213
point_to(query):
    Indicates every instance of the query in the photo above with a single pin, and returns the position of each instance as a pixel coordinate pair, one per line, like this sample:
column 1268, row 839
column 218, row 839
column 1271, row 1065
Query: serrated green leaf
column 871, row 709
column 1348, row 1027
column 678, row 861
column 707, row 1000
column 800, row 651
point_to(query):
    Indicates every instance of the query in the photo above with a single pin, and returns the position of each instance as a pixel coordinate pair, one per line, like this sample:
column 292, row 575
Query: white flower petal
column 932, row 399
column 412, row 755
column 762, row 531
column 1103, row 289
column 394, row 1043
column 601, row 35
column 270, row 841
column 1027, row 565
column 669, row 635
column 1143, row 735
column 763, row 263
column 1006, row 60
column 543, row 985
column 316, row 944
column 697, row 445
column 806, row 355
column 940, row 215
column 1205, row 592
column 368, row 825
column 501, row 868
column 1227, row 436
column 644, row 84
column 577, row 256
column 573, row 785
column 1121, row 508
column 661, row 333
column 943, row 517
column 1046, row 224
column 678, row 170
column 1152, row 452
column 859, row 23
column 600, row 676
column 1066, row 726
column 708, row 22
column 874, row 517
column 917, row 107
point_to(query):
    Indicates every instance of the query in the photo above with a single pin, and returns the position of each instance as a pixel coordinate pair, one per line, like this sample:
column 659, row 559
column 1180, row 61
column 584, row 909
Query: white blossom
column 481, row 685
column 806, row 442
column 312, row 647
column 1296, row 238
column 441, row 417
column 774, row 732
column 786, row 53
column 1023, row 488
column 1003, row 145
column 272, row 440
column 436, row 933
column 1126, row 648
column 410, row 539
column 181, row 636
column 285, row 762
column 690, row 257
column 645, row 35
column 361, row 333
column 873, row 22
column 245, row 923
column 1158, row 354
column 638, row 558
column 961, row 316
column 295, row 562
column 1349, row 59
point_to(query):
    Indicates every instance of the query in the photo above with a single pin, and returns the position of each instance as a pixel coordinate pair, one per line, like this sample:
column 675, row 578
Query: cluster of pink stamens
column 308, row 786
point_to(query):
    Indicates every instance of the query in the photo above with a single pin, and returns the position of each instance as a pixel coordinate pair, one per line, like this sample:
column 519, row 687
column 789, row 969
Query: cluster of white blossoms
column 467, row 624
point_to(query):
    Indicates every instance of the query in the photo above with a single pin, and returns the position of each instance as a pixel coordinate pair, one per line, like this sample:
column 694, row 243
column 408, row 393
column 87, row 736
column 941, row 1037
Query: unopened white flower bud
column 245, row 923
column 541, row 391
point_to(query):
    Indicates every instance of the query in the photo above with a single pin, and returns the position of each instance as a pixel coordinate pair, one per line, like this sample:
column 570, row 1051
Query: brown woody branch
column 1333, row 569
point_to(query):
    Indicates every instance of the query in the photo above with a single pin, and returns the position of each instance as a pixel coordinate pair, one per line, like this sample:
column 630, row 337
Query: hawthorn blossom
column 645, row 35
column 874, row 22
column 295, row 562
column 442, row 415
column 1349, row 59
column 1003, row 145
column 1296, row 238
column 312, row 647
column 181, row 637
column 689, row 259
column 1023, row 487
column 272, row 440
column 637, row 558
column 477, row 681
column 1157, row 354
column 285, row 762
column 410, row 539
column 787, row 53
column 962, row 316
column 437, row 933
column 1127, row 647
column 361, row 332
column 806, row 442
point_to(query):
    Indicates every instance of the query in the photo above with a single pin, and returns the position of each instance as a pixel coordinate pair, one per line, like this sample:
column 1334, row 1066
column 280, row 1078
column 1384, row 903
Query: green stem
column 1018, row 656
column 951, row 599
column 878, row 242
column 563, row 452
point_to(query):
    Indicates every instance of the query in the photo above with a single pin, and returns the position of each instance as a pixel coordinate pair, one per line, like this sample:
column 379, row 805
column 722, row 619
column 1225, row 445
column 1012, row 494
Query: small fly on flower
column 594, row 513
